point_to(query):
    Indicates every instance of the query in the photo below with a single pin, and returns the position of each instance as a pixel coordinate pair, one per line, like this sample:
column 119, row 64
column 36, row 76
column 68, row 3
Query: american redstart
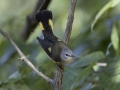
column 53, row 46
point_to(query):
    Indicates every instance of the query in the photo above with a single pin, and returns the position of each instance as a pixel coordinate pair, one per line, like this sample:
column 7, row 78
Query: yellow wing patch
column 41, row 26
column 49, row 49
column 51, row 23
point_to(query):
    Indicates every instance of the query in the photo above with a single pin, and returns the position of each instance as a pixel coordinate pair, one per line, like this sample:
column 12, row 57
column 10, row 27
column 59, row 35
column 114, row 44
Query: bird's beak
column 71, row 56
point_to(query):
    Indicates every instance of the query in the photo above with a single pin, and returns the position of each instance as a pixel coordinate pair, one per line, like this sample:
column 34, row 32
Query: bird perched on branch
column 57, row 50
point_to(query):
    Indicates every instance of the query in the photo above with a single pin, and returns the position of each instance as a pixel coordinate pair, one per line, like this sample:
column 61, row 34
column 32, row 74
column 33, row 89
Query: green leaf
column 115, row 2
column 110, row 4
column 15, row 75
column 88, row 59
column 110, row 76
column 81, row 76
column 97, row 88
column 69, row 74
column 115, row 38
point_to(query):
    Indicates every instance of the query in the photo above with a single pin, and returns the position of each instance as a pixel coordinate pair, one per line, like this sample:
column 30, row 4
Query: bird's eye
column 66, row 54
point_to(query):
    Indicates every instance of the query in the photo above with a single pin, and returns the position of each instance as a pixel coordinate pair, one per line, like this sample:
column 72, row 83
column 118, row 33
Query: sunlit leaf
column 115, row 2
column 110, row 4
column 115, row 38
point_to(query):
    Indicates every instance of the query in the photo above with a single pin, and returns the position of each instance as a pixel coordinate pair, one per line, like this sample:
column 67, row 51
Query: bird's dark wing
column 45, row 46
column 50, row 37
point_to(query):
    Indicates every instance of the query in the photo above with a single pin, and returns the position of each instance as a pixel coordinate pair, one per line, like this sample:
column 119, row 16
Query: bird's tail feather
column 45, row 20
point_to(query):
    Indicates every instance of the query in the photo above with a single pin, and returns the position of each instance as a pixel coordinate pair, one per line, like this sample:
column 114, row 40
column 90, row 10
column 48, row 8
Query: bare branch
column 57, row 82
column 23, row 57
column 70, row 21
column 30, row 21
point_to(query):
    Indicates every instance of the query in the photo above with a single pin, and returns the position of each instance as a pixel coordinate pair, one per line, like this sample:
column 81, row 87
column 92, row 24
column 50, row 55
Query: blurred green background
column 101, row 45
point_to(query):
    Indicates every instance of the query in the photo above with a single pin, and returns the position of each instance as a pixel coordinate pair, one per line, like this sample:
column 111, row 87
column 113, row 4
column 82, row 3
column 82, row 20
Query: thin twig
column 57, row 82
column 23, row 57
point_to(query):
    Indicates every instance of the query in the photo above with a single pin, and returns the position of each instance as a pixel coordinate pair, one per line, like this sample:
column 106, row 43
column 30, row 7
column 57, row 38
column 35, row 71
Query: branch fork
column 22, row 58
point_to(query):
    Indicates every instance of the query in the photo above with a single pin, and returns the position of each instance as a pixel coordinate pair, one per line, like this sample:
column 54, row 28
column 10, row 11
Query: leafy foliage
column 89, row 47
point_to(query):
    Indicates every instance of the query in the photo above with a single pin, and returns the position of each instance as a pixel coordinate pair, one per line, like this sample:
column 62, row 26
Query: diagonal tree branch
column 23, row 57
column 57, row 82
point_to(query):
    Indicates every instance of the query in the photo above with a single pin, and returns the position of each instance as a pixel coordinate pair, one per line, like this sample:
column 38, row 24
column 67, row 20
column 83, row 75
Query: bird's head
column 66, row 55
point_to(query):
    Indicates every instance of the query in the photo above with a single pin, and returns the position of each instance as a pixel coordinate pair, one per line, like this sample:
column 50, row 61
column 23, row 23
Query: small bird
column 52, row 45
